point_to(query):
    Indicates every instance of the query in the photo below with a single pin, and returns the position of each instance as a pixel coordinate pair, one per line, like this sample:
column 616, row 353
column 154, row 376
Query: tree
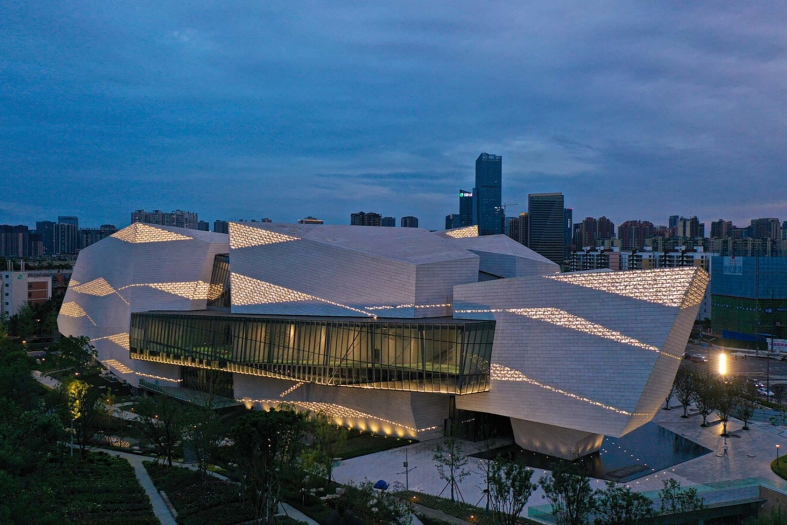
column 510, row 487
column 162, row 421
column 328, row 439
column 375, row 507
column 567, row 488
column 675, row 500
column 669, row 396
column 25, row 321
column 726, row 398
column 451, row 462
column 685, row 387
column 487, row 432
column 619, row 505
column 705, row 396
column 265, row 444
column 85, row 407
column 77, row 349
column 203, row 434
column 746, row 406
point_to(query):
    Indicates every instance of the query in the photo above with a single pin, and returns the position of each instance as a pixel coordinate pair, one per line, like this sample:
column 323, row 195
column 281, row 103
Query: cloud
column 243, row 109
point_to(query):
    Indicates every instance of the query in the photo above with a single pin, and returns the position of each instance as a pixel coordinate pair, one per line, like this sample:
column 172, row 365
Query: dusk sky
column 634, row 110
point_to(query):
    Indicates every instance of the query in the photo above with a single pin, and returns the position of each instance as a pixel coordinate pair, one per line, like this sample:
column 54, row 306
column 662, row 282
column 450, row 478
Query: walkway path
column 47, row 381
column 159, row 507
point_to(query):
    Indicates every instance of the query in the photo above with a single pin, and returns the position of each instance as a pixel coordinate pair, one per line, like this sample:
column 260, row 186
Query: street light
column 722, row 364
column 777, row 454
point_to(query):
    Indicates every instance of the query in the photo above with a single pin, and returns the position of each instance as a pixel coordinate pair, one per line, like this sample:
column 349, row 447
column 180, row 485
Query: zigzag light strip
column 503, row 373
column 99, row 288
column 250, row 291
column 667, row 286
column 193, row 290
column 292, row 389
column 139, row 233
column 242, row 236
column 117, row 365
column 330, row 409
column 120, row 339
column 564, row 319
column 403, row 306
column 72, row 309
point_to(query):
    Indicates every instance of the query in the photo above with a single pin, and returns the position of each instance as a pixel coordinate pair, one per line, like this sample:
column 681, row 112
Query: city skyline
column 631, row 111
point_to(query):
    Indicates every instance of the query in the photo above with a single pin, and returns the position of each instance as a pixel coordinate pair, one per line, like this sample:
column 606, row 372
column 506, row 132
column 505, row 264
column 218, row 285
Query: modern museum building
column 392, row 330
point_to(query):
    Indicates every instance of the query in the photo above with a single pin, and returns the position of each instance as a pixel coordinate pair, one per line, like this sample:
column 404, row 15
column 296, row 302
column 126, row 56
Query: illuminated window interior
column 404, row 355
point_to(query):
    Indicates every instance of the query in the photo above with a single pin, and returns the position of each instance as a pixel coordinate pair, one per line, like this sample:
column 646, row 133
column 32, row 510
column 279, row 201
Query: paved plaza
column 750, row 453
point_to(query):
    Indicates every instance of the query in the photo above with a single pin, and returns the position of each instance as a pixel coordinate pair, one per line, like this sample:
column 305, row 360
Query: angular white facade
column 388, row 328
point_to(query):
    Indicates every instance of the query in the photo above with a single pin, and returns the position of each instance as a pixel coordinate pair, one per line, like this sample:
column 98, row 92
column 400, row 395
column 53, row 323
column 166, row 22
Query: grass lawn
column 101, row 490
column 779, row 467
column 361, row 444
column 457, row 509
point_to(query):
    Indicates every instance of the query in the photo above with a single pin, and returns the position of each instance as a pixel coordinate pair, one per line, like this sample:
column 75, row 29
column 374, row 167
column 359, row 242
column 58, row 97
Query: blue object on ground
column 382, row 485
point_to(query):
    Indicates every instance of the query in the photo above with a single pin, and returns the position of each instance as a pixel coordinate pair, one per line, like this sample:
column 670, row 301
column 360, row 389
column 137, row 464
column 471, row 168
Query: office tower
column 784, row 230
column 88, row 236
column 68, row 219
column 310, row 220
column 15, row 241
column 517, row 228
column 365, row 219
column 488, row 190
column 587, row 233
column 720, row 229
column 221, row 226
column 569, row 218
column 409, row 222
column 673, row 225
column 465, row 209
column 203, row 226
column 388, row 222
column 632, row 234
column 46, row 229
column 546, row 225
column 765, row 229
column 451, row 221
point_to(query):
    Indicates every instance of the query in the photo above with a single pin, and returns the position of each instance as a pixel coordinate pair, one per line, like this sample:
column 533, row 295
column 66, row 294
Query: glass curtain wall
column 219, row 290
column 450, row 357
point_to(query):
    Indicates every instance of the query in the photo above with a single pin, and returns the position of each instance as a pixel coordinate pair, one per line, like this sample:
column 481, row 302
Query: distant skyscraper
column 66, row 238
column 221, row 226
column 605, row 228
column 488, row 190
column 547, row 225
column 632, row 234
column 517, row 228
column 310, row 220
column 388, row 222
column 177, row 218
column 569, row 219
column 68, row 219
column 203, row 226
column 765, row 229
column 689, row 228
column 409, row 222
column 365, row 219
column 720, row 229
column 673, row 225
column 465, row 209
column 451, row 221
column 46, row 229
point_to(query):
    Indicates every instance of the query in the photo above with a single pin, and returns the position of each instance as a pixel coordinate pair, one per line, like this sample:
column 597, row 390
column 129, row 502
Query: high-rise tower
column 488, row 190
column 546, row 225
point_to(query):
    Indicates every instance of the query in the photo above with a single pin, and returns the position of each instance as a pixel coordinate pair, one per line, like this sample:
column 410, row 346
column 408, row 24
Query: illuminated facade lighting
column 142, row 233
column 242, row 236
column 503, row 373
column 461, row 233
column 119, row 339
column 666, row 286
column 406, row 306
column 195, row 290
column 117, row 365
column 248, row 291
column 72, row 309
column 292, row 389
column 98, row 287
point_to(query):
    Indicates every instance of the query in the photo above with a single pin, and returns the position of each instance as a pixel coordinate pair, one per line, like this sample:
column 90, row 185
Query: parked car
column 764, row 392
column 699, row 358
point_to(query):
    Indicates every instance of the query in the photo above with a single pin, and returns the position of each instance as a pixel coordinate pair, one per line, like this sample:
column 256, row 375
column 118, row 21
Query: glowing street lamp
column 722, row 364
column 777, row 453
